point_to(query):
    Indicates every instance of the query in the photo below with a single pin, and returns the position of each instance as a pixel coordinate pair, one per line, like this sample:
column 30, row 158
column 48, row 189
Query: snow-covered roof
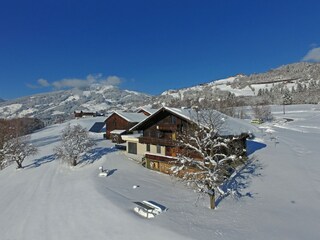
column 229, row 126
column 149, row 110
column 131, row 137
column 131, row 116
column 118, row 131
column 97, row 127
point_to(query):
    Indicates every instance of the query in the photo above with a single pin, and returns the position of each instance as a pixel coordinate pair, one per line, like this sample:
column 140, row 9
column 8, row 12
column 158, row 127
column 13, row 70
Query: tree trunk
column 19, row 164
column 74, row 162
column 212, row 202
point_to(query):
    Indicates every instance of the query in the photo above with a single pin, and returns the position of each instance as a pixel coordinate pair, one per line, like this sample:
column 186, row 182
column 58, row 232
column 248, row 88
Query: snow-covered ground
column 280, row 191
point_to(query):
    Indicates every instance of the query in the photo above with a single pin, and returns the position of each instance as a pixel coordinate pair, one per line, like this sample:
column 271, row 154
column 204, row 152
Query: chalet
column 83, row 114
column 119, row 123
column 158, row 142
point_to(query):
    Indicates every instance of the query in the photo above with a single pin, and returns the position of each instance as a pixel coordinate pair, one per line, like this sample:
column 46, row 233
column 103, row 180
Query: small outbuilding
column 119, row 123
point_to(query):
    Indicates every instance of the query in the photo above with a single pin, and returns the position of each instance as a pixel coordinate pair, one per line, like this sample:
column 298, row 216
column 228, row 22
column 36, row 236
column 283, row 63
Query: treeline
column 300, row 93
column 15, row 128
column 238, row 106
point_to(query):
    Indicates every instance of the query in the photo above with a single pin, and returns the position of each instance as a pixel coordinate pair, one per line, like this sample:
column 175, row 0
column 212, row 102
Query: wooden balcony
column 167, row 127
column 158, row 157
column 157, row 141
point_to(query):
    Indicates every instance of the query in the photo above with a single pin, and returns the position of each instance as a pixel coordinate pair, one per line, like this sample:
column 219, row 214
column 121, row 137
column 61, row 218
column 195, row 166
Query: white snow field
column 279, row 192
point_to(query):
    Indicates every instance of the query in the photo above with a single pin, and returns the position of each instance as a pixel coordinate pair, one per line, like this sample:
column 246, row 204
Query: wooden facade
column 163, row 129
column 116, row 122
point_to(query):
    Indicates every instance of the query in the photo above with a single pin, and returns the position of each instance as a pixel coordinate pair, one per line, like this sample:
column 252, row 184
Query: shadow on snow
column 240, row 181
column 92, row 156
column 95, row 154
column 111, row 172
column 45, row 141
column 38, row 162
column 253, row 146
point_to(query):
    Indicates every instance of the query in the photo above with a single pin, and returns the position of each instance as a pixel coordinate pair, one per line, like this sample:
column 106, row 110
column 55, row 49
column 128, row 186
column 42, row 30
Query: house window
column 132, row 148
column 148, row 147
column 159, row 134
column 158, row 148
column 173, row 120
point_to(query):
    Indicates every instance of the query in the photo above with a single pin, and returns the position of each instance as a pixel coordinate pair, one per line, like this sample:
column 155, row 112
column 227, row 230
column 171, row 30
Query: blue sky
column 149, row 46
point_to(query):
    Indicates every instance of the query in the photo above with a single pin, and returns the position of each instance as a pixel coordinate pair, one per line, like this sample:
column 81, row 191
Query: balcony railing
column 158, row 157
column 167, row 127
column 157, row 141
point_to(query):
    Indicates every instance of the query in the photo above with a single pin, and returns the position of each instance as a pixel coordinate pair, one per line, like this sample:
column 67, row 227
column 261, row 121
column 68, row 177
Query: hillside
column 278, row 192
column 302, row 80
column 56, row 106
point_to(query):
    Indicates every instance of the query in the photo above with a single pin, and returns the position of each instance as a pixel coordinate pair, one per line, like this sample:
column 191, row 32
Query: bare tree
column 16, row 150
column 3, row 138
column 205, row 159
column 75, row 143
column 10, row 131
column 262, row 112
column 286, row 99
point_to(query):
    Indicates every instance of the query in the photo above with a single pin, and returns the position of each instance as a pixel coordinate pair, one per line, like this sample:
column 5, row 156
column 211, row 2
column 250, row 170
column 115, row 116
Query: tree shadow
column 240, row 181
column 38, row 162
column 253, row 146
column 45, row 141
column 111, row 172
column 95, row 154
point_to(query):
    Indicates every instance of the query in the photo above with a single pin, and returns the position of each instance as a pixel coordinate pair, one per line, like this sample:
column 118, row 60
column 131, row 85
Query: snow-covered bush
column 74, row 143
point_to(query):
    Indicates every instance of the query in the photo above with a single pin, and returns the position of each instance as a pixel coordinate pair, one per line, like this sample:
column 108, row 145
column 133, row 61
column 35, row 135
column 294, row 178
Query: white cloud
column 111, row 80
column 313, row 55
column 73, row 83
column 32, row 86
column 43, row 82
column 78, row 83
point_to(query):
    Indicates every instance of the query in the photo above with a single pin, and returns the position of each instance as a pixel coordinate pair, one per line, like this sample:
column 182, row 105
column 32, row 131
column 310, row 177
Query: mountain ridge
column 256, row 86
column 300, row 78
column 60, row 105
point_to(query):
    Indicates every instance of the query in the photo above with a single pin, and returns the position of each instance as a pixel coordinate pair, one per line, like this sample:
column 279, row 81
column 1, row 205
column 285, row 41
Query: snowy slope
column 280, row 192
column 289, row 76
column 59, row 105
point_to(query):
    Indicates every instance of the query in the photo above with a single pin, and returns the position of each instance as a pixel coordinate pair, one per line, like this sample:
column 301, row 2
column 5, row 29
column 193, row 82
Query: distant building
column 83, row 114
column 88, row 114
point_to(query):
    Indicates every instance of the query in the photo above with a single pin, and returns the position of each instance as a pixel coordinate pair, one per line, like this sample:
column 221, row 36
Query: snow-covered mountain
column 303, row 78
column 287, row 76
column 61, row 104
